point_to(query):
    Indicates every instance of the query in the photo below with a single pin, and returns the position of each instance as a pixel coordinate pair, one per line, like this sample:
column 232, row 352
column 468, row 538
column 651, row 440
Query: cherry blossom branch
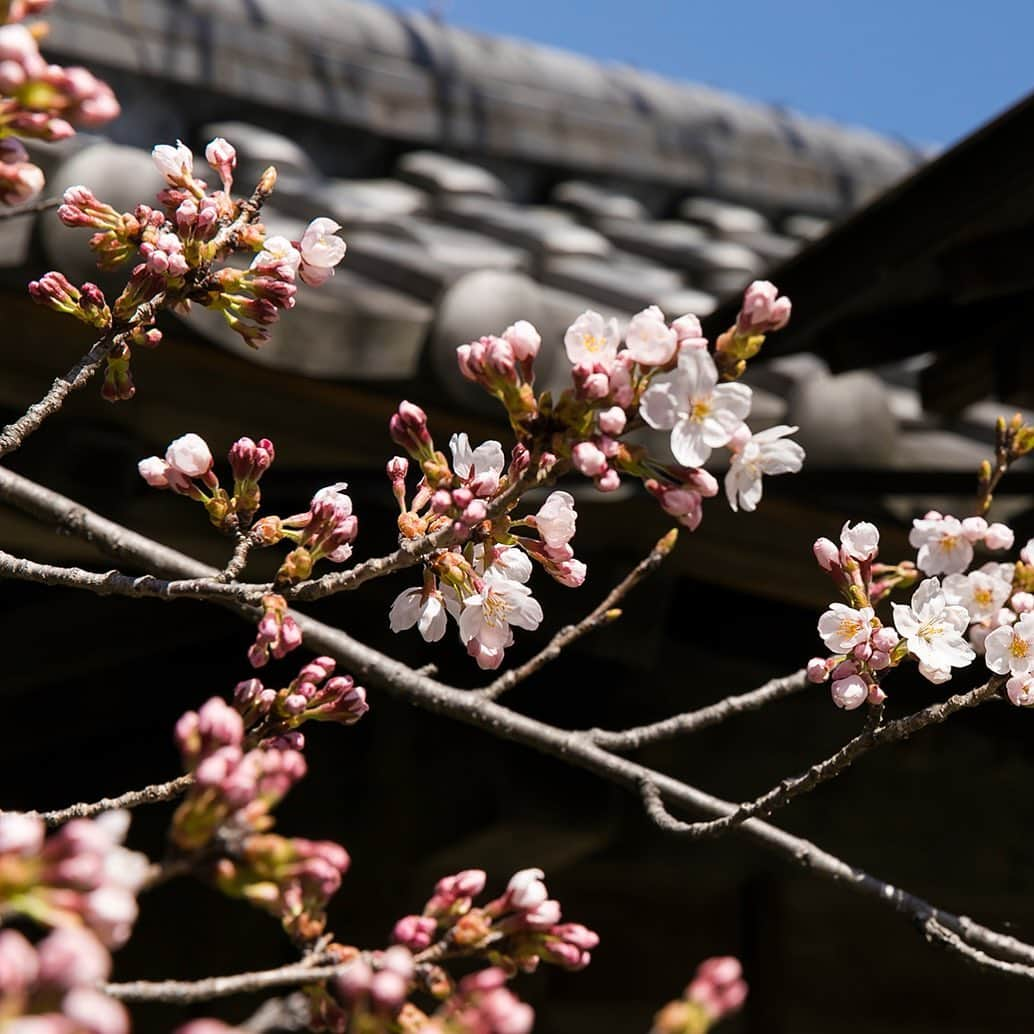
column 704, row 717
column 872, row 736
column 35, row 208
column 602, row 615
column 14, row 434
column 187, row 992
column 246, row 542
column 154, row 794
column 576, row 748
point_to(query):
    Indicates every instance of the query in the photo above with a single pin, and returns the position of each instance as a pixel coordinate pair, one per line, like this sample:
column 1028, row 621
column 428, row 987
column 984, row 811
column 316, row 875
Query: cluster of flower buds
column 482, row 1004
column 518, row 930
column 278, row 633
column 325, row 531
column 289, row 877
column 504, row 366
column 994, row 604
column 717, row 990
column 40, row 100
column 315, row 694
column 179, row 243
column 80, row 875
column 52, row 987
column 479, row 581
column 234, row 790
column 187, row 470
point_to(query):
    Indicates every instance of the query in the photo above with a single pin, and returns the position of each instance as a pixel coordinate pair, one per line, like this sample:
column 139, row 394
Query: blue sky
column 924, row 70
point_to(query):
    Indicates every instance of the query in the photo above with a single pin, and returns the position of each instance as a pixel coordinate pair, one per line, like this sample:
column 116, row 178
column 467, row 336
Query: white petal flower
column 278, row 251
column 592, row 339
column 767, row 452
column 321, row 250
column 1010, row 649
column 487, row 458
column 842, row 628
column 176, row 164
column 649, row 340
column 555, row 521
column 514, row 563
column 1020, row 690
column 982, row 594
column 429, row 615
column 862, row 541
column 502, row 602
column 700, row 413
column 934, row 628
column 942, row 544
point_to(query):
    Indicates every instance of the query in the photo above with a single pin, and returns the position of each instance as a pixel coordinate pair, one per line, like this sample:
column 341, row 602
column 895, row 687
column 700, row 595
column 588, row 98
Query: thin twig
column 602, row 615
column 186, row 992
column 35, row 208
column 246, row 542
column 693, row 721
column 133, row 799
column 788, row 789
column 576, row 748
column 935, row 931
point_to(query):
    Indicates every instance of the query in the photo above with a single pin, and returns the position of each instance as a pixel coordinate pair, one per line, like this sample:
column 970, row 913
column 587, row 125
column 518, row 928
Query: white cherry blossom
column 767, row 452
column 1010, row 648
column 942, row 544
column 321, row 250
column 982, row 594
column 428, row 614
column 176, row 164
column 555, row 521
column 934, row 628
column 482, row 466
column 861, row 541
column 488, row 614
column 1020, row 690
column 649, row 340
column 592, row 339
column 842, row 628
column 700, row 413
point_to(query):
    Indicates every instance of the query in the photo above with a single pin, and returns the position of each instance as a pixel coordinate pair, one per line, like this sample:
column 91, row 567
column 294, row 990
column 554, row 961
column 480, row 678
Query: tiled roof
column 479, row 181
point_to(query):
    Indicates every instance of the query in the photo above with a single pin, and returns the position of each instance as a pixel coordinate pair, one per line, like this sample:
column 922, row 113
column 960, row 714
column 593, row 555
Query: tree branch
column 577, row 748
column 602, row 615
column 692, row 721
column 935, row 931
column 186, row 992
column 779, row 796
column 154, row 794
column 34, row 208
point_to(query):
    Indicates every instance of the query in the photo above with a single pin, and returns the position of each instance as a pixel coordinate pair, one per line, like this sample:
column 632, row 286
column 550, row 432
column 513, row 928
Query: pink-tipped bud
column 588, row 459
column 415, row 932
column 884, row 639
column 222, row 156
column 826, row 553
column 850, row 692
column 817, row 670
column 524, row 339
column 612, row 421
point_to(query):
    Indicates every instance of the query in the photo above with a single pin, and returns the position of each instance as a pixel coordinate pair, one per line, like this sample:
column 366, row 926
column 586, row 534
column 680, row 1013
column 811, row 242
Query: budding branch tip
column 666, row 544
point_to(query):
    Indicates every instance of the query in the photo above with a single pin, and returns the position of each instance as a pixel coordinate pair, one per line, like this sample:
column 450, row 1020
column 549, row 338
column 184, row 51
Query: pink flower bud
column 609, row 481
column 885, row 639
column 826, row 553
column 850, row 692
column 18, row 963
column 354, row 981
column 524, row 339
column 762, row 310
column 1022, row 602
column 879, row 660
column 588, row 459
column 612, row 421
column 999, row 536
column 189, row 455
column 415, row 932
column 223, row 158
column 72, row 956
column 844, row 669
column 388, row 990
column 526, row 889
column 398, row 468
column 95, row 1012
column 817, row 670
